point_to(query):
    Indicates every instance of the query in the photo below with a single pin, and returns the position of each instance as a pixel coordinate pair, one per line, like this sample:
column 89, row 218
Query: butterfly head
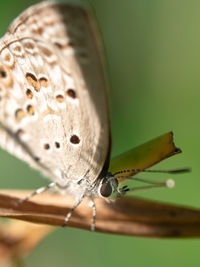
column 108, row 186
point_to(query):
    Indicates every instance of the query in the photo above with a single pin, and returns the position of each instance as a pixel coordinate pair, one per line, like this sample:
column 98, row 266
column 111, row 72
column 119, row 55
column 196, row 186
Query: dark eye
column 106, row 189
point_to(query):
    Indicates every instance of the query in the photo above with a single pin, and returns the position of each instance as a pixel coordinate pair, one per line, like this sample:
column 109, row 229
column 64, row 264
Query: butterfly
column 54, row 111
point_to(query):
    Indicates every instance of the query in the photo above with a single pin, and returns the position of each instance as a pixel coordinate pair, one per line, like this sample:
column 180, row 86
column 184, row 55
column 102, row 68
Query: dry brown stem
column 126, row 216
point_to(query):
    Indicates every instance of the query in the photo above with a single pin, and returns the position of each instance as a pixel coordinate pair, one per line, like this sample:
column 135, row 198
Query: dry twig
column 126, row 216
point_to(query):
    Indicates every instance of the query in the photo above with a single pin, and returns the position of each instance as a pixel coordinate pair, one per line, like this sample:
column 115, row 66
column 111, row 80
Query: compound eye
column 106, row 189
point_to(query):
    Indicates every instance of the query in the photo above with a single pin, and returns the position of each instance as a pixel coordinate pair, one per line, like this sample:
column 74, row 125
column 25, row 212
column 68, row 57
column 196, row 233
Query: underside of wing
column 53, row 91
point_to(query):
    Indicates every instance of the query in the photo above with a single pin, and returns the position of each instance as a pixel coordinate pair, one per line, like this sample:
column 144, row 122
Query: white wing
column 53, row 106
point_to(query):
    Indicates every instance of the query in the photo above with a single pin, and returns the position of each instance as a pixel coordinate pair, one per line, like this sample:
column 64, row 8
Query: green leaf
column 146, row 155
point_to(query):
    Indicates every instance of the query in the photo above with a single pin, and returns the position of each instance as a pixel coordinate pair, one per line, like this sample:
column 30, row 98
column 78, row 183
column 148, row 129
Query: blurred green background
column 153, row 54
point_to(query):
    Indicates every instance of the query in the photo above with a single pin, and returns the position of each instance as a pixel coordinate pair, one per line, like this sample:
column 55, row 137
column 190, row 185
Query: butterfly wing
column 53, row 108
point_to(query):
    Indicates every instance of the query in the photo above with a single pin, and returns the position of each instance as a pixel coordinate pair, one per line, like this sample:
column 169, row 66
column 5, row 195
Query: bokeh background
column 153, row 55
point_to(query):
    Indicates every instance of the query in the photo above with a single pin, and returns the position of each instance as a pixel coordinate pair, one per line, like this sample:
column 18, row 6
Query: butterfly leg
column 69, row 214
column 36, row 192
column 94, row 212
